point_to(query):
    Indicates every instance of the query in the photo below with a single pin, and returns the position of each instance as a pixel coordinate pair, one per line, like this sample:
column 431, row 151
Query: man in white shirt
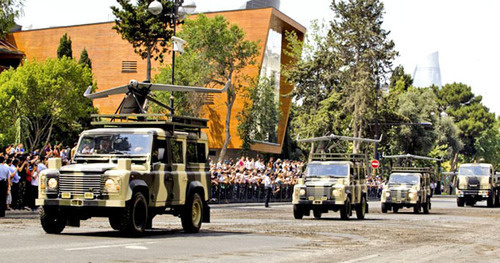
column 267, row 188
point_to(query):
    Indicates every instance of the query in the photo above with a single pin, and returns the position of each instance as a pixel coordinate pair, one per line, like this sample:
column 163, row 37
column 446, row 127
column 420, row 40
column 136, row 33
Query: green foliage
column 260, row 115
column 488, row 145
column 416, row 105
column 64, row 49
column 9, row 11
column 470, row 115
column 400, row 81
column 45, row 96
column 84, row 59
column 142, row 29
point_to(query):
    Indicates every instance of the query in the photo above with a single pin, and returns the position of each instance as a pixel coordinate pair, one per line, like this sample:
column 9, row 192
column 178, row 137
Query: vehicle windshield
column 327, row 170
column 117, row 144
column 474, row 171
column 403, row 179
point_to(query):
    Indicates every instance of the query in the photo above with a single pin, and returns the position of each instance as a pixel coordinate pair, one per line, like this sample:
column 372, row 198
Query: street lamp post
column 178, row 11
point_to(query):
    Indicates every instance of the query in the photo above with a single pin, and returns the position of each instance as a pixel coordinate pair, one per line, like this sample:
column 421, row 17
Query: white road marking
column 361, row 259
column 136, row 247
column 130, row 245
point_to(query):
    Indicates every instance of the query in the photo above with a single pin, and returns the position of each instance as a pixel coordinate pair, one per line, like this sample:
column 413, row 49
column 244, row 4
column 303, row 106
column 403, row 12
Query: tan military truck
column 332, row 182
column 477, row 182
column 408, row 186
column 130, row 173
column 132, row 167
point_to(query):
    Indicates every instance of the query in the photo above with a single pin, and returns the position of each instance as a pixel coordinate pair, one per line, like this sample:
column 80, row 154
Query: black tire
column 192, row 214
column 395, row 209
column 427, row 206
column 361, row 209
column 460, row 202
column 317, row 213
column 135, row 215
column 298, row 212
column 490, row 201
column 345, row 211
column 115, row 222
column 416, row 208
column 384, row 208
column 52, row 220
column 497, row 198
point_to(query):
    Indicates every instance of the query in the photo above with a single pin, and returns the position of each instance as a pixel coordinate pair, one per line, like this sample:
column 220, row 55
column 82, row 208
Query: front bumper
column 79, row 202
column 477, row 194
column 319, row 202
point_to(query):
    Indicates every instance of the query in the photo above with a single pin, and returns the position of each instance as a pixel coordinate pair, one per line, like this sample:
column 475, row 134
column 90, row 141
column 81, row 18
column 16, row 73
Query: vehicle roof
column 476, row 164
column 330, row 162
column 156, row 131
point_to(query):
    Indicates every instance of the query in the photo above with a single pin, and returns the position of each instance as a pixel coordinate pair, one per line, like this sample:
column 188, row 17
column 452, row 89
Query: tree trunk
column 148, row 66
column 50, row 132
column 231, row 96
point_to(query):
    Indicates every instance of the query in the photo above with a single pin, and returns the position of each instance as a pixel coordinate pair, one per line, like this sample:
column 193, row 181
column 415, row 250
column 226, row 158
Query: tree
column 362, row 54
column 84, row 59
column 9, row 11
column 488, row 145
column 219, row 52
column 257, row 121
column 64, row 49
column 148, row 34
column 416, row 105
column 400, row 80
column 470, row 115
column 45, row 96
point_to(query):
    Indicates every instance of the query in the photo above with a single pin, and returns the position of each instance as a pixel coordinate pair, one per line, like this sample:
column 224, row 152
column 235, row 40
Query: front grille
column 80, row 184
column 318, row 192
column 399, row 195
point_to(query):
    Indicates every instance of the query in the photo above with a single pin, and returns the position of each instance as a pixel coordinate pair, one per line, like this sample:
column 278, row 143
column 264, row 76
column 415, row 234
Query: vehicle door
column 159, row 161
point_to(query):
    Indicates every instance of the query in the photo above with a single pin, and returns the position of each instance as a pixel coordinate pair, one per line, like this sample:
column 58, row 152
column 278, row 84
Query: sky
column 464, row 32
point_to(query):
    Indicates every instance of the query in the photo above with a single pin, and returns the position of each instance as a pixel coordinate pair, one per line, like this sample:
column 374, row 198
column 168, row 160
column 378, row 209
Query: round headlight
column 302, row 192
column 335, row 192
column 52, row 183
column 387, row 194
column 110, row 185
column 412, row 195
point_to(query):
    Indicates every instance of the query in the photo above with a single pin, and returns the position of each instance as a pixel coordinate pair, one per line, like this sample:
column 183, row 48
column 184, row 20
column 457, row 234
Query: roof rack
column 339, row 157
column 410, row 156
column 164, row 121
column 412, row 169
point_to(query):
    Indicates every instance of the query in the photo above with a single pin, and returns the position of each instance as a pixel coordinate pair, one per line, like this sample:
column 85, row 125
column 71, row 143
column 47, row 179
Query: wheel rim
column 196, row 212
column 139, row 215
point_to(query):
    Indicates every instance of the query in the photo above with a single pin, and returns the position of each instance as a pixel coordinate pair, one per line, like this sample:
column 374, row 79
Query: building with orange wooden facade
column 114, row 63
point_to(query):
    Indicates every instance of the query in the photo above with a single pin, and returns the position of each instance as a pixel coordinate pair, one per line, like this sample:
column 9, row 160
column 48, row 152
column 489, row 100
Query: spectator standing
column 267, row 188
column 4, row 185
column 14, row 183
column 39, row 167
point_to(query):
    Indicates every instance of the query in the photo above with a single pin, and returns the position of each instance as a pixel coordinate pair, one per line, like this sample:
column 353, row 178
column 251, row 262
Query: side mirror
column 161, row 154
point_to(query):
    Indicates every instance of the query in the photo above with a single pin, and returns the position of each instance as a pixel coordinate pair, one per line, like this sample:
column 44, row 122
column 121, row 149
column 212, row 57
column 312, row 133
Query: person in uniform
column 267, row 188
column 4, row 185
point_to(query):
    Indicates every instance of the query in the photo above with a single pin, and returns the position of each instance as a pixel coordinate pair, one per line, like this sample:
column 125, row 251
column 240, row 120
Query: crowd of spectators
column 375, row 186
column 19, row 174
column 246, row 177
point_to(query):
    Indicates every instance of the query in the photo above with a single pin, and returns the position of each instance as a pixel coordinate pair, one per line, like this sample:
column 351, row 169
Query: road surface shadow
column 155, row 233
column 352, row 219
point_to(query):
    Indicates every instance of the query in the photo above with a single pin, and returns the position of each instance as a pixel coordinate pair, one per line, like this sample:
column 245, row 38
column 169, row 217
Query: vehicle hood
column 328, row 182
column 89, row 168
column 473, row 182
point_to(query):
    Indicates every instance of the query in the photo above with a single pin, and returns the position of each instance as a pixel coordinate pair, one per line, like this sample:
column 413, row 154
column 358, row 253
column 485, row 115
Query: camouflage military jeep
column 332, row 182
column 131, row 169
column 477, row 182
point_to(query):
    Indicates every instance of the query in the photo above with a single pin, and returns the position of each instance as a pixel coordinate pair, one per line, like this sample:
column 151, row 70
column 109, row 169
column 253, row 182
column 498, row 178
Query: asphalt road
column 252, row 233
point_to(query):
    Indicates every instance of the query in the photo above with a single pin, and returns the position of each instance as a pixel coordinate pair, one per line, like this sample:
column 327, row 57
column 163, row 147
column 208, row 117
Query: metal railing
column 248, row 193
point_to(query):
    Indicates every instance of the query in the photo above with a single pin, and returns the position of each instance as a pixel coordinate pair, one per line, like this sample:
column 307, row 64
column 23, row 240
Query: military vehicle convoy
column 130, row 168
column 478, row 182
column 408, row 186
column 333, row 181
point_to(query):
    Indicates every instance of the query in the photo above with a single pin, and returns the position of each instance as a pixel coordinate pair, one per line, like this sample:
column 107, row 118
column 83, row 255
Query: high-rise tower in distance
column 428, row 72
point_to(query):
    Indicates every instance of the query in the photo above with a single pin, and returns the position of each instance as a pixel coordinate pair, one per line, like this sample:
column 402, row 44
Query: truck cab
column 477, row 182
